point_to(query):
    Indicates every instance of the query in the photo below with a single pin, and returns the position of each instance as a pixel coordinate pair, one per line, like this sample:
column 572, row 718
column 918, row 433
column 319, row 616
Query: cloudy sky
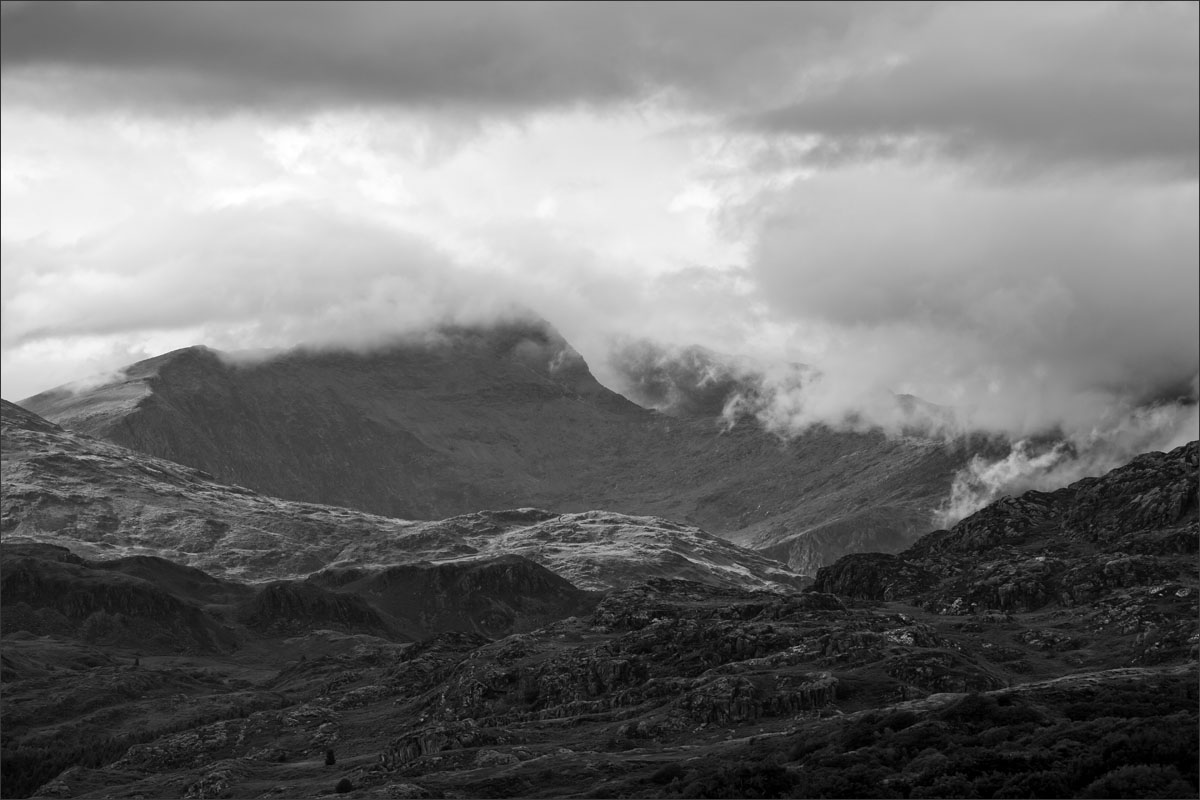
column 991, row 206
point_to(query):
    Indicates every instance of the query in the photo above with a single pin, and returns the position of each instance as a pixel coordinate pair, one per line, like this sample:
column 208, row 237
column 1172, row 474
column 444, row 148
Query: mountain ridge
column 504, row 418
column 107, row 501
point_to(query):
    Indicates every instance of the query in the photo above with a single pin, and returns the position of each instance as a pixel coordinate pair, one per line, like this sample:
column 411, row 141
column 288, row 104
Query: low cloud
column 934, row 303
column 693, row 380
column 1024, row 308
column 277, row 275
column 1047, row 465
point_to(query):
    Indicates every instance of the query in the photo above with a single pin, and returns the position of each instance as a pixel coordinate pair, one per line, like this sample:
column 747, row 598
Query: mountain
column 502, row 417
column 104, row 501
column 1043, row 647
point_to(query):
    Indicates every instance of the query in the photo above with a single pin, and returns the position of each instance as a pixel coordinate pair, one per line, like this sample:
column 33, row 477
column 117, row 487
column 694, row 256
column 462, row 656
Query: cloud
column 1032, row 88
column 284, row 272
column 1008, row 88
column 489, row 55
column 1062, row 311
column 691, row 380
column 278, row 274
column 1026, row 307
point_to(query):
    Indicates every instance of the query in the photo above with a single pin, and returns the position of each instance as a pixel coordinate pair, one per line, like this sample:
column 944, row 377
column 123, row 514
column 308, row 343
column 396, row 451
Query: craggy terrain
column 106, row 501
column 1045, row 646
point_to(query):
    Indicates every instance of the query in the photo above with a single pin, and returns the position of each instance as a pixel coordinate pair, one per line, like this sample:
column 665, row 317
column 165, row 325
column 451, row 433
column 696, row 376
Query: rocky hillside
column 511, row 416
column 104, row 501
column 1115, row 550
column 1046, row 647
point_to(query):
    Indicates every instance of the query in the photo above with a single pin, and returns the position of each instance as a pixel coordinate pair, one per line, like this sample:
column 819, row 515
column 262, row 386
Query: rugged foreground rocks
column 663, row 689
column 1110, row 554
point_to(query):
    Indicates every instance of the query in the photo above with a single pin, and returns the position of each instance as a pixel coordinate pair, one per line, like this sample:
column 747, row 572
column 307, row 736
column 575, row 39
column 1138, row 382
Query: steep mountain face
column 104, row 501
column 504, row 417
column 388, row 431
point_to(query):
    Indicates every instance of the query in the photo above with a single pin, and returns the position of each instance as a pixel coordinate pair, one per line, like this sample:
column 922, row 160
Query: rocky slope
column 104, row 501
column 508, row 416
column 962, row 667
column 1119, row 550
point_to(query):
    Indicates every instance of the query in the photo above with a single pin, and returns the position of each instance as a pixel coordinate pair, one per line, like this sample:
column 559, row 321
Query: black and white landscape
column 444, row 400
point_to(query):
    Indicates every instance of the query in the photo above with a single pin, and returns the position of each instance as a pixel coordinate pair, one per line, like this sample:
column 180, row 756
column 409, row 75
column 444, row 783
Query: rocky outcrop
column 1154, row 493
column 1103, row 540
column 490, row 596
column 64, row 594
column 292, row 607
column 874, row 576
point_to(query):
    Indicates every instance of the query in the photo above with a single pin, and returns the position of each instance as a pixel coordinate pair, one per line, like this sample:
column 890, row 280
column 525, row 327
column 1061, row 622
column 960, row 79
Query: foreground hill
column 955, row 669
column 469, row 419
column 104, row 501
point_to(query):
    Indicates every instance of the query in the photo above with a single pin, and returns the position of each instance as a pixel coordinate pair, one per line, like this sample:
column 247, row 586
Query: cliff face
column 500, row 418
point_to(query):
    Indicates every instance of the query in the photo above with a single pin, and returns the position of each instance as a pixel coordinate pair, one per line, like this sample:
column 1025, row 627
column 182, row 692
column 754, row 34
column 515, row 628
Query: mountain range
column 192, row 606
column 508, row 416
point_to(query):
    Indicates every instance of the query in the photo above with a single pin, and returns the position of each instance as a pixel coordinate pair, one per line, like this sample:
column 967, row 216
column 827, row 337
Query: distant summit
column 458, row 420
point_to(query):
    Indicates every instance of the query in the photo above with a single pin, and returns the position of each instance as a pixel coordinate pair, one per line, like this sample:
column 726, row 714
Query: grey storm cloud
column 489, row 54
column 1029, row 83
column 1042, row 83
